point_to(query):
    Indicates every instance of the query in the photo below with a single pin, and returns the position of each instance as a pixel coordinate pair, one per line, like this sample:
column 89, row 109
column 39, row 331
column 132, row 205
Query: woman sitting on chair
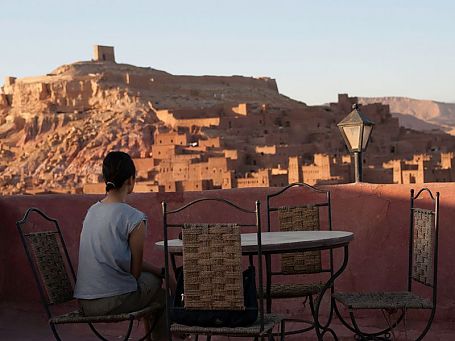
column 112, row 277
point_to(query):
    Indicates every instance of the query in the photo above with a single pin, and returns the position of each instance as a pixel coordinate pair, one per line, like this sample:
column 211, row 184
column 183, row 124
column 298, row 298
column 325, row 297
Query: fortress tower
column 103, row 53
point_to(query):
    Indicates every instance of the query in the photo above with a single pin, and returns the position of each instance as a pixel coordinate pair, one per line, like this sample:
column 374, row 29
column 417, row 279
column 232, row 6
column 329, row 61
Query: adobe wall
column 9, row 81
column 213, row 142
column 144, row 164
column 278, row 180
column 211, row 82
column 241, row 109
column 145, row 187
column 166, row 116
column 266, row 149
column 208, row 112
column 94, row 188
column 26, row 92
column 377, row 214
column 231, row 153
column 65, row 96
column 163, row 151
column 198, row 122
column 377, row 175
column 295, row 170
column 261, row 178
column 170, row 138
column 3, row 101
column 242, row 123
column 169, row 119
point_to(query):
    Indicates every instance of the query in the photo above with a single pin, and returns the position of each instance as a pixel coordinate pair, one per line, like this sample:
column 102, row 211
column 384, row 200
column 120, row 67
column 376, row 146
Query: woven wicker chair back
column 51, row 267
column 300, row 219
column 212, row 267
column 423, row 246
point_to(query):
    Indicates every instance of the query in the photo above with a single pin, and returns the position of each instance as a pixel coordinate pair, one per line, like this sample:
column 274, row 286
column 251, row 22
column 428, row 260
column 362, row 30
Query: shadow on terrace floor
column 24, row 322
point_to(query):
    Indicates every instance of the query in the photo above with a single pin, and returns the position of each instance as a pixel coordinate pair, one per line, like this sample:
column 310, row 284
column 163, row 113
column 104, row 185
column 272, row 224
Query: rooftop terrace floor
column 24, row 322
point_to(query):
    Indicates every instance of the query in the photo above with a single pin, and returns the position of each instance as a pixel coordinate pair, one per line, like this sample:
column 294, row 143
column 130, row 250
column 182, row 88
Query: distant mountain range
column 417, row 114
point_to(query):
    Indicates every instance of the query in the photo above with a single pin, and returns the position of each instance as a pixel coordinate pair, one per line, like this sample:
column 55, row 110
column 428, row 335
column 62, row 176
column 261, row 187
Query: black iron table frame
column 321, row 329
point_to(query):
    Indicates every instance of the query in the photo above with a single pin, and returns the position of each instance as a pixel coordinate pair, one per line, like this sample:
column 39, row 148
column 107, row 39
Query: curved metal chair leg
column 353, row 329
column 150, row 331
column 427, row 327
column 313, row 312
column 369, row 336
column 130, row 328
column 54, row 331
column 329, row 320
column 101, row 337
column 298, row 320
column 331, row 311
column 311, row 301
column 341, row 318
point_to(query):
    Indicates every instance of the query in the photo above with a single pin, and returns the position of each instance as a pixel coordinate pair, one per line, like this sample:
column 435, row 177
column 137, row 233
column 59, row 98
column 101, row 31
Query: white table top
column 276, row 242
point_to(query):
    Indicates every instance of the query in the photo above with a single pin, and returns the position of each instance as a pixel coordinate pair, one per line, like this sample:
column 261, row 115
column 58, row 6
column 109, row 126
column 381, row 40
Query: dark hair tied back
column 117, row 168
column 109, row 186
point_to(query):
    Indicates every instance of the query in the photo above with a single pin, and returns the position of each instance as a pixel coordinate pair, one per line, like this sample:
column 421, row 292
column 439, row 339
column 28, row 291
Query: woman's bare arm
column 136, row 242
column 138, row 265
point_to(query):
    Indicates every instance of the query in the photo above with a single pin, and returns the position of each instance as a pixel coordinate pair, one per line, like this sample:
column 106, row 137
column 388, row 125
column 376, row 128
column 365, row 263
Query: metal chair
column 48, row 256
column 217, row 247
column 422, row 271
column 302, row 216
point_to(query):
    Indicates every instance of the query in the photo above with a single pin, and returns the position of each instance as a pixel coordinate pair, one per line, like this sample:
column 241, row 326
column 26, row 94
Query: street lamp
column 356, row 130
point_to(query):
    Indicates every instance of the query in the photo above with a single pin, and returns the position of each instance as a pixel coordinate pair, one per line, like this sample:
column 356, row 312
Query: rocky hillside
column 423, row 115
column 55, row 128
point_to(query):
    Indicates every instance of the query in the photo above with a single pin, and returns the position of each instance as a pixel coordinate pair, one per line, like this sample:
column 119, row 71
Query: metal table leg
column 321, row 330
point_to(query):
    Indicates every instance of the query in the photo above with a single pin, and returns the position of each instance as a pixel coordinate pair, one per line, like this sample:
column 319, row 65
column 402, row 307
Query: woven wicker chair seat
column 281, row 290
column 270, row 320
column 383, row 300
column 77, row 317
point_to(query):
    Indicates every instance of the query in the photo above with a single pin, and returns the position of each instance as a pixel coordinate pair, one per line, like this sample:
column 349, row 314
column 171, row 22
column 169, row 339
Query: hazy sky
column 315, row 49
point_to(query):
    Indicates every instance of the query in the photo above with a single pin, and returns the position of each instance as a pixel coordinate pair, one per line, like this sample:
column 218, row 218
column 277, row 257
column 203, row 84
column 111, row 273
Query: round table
column 281, row 242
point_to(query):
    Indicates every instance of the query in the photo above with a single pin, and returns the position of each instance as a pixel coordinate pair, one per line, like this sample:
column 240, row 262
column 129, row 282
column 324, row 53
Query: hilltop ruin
column 191, row 133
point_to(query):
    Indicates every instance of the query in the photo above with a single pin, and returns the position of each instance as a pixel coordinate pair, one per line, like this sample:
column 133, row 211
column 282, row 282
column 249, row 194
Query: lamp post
column 356, row 130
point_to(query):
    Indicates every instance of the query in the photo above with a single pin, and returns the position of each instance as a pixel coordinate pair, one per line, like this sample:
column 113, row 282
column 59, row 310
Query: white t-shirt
column 104, row 251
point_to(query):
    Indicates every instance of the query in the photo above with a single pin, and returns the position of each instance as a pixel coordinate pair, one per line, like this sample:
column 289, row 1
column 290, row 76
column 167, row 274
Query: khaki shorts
column 149, row 291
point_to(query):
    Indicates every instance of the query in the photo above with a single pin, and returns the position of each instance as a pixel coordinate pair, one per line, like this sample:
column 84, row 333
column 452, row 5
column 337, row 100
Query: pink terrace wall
column 377, row 214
